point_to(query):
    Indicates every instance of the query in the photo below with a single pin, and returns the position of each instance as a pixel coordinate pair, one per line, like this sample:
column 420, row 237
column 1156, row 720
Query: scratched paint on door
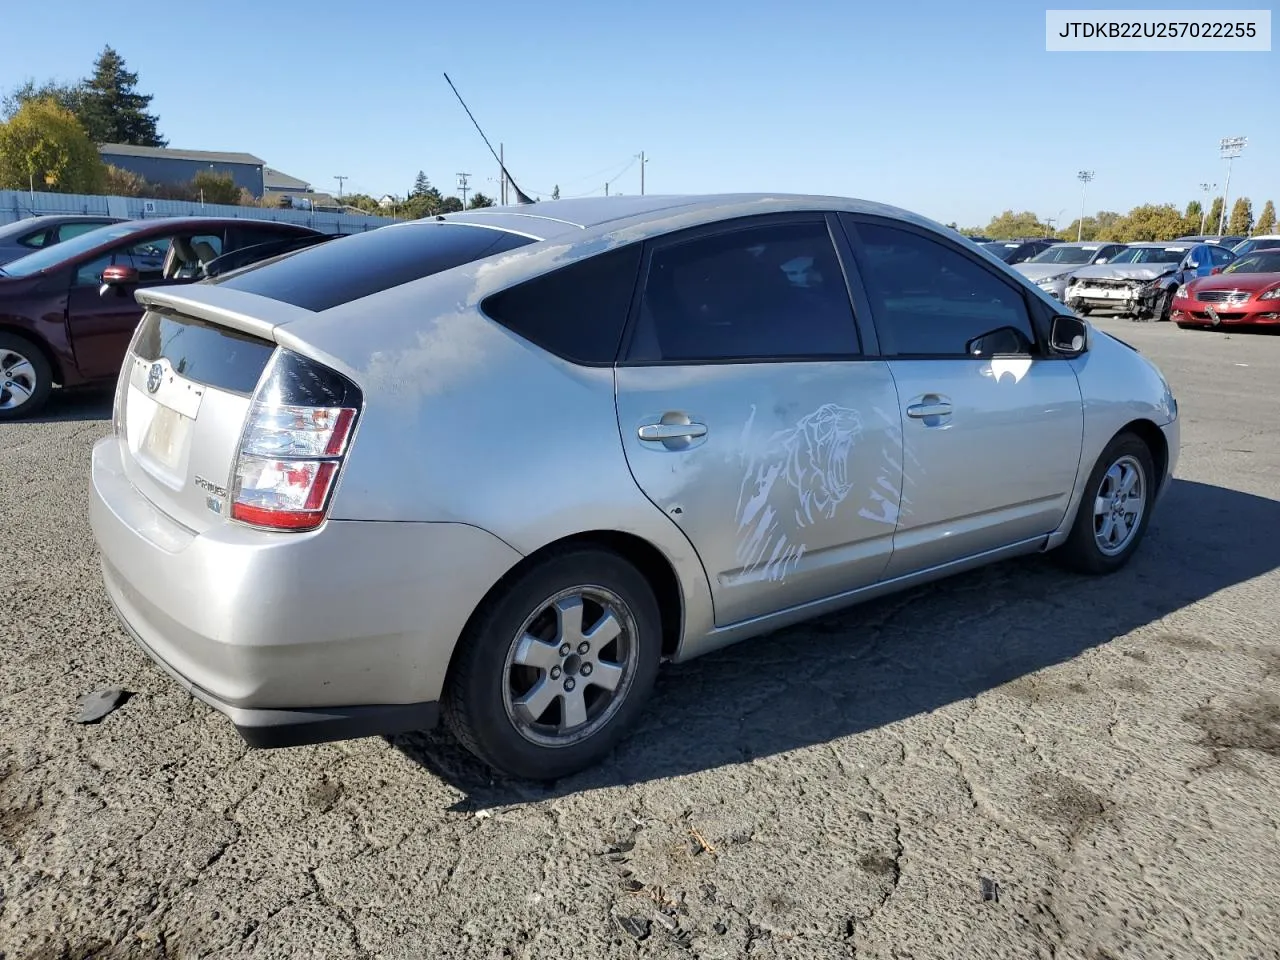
column 796, row 479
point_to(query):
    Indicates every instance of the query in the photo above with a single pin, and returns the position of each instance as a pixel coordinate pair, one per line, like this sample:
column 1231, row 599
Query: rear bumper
column 343, row 632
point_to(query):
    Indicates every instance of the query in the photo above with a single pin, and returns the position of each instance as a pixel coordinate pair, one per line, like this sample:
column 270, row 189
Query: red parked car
column 67, row 312
column 1245, row 293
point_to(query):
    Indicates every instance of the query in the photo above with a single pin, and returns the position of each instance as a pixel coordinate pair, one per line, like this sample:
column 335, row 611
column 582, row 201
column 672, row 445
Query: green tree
column 125, row 183
column 1191, row 219
column 1009, row 225
column 43, row 146
column 1241, row 221
column 1215, row 214
column 421, row 185
column 112, row 110
column 214, row 187
column 1150, row 221
column 66, row 95
column 1267, row 221
column 478, row 199
column 555, row 193
column 449, row 205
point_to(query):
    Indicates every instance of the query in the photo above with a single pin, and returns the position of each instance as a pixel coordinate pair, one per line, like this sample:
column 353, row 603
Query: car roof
column 51, row 220
column 1164, row 244
column 550, row 219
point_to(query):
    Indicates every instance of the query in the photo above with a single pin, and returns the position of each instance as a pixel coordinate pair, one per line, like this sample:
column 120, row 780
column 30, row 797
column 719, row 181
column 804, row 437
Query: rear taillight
column 297, row 433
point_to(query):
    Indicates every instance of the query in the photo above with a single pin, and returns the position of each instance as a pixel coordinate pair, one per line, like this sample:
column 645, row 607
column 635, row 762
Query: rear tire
column 556, row 668
column 1114, row 512
column 26, row 378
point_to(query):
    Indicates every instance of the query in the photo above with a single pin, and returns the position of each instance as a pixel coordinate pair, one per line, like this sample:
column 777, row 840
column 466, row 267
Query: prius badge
column 153, row 377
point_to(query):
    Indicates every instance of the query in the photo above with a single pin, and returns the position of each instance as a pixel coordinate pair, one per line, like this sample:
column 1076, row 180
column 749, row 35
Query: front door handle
column 929, row 407
column 657, row 432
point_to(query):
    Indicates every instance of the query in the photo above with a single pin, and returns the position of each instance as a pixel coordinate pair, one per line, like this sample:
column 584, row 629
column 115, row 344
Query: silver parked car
column 1051, row 269
column 1140, row 281
column 500, row 464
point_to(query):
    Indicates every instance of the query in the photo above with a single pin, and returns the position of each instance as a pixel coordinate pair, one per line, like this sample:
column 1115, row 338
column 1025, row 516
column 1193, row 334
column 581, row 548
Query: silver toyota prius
column 500, row 465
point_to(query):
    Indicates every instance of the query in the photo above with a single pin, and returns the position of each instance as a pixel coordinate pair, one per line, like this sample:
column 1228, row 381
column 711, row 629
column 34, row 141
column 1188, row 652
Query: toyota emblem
column 153, row 377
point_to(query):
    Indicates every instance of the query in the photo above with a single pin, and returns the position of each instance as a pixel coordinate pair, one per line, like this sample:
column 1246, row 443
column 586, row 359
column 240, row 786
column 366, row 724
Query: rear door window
column 363, row 264
column 68, row 230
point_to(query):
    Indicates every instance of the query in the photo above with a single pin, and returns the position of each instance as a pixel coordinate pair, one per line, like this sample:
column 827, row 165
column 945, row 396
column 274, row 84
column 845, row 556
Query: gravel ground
column 1015, row 763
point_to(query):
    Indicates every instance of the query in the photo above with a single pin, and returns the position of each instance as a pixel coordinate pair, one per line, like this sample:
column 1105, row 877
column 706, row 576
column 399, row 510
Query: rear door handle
column 929, row 408
column 657, row 432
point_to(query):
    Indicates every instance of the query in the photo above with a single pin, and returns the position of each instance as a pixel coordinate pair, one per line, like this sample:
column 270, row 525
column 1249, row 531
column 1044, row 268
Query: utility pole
column 1084, row 176
column 1230, row 148
column 1207, row 189
column 341, row 180
column 502, row 175
column 641, row 157
column 606, row 188
column 462, row 187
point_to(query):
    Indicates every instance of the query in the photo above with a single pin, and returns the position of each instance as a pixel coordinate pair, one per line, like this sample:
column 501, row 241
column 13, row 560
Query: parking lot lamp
column 1084, row 176
column 1230, row 147
column 1208, row 189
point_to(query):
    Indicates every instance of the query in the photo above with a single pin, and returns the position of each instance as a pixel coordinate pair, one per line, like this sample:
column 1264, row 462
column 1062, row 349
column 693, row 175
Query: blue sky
column 954, row 110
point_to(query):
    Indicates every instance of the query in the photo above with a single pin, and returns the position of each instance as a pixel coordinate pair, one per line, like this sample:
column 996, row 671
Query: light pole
column 1084, row 176
column 1208, row 189
column 643, row 160
column 1230, row 148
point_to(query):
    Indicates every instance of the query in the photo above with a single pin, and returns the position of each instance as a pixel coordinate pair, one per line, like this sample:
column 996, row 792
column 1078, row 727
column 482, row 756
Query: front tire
column 25, row 377
column 1115, row 510
column 557, row 667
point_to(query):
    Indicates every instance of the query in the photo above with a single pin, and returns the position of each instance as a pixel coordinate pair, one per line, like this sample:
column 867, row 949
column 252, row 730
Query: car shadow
column 69, row 406
column 904, row 655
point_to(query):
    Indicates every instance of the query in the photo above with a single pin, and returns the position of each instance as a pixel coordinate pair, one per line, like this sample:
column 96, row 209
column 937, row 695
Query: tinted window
column 1221, row 255
column 60, row 253
column 366, row 263
column 929, row 299
column 68, row 230
column 34, row 240
column 90, row 274
column 1150, row 255
column 221, row 358
column 1262, row 261
column 1064, row 254
column 764, row 292
column 577, row 312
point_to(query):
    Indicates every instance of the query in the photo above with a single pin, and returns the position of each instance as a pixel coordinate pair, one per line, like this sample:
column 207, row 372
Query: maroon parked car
column 67, row 313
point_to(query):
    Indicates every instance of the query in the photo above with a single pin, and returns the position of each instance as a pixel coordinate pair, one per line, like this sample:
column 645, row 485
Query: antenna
column 521, row 196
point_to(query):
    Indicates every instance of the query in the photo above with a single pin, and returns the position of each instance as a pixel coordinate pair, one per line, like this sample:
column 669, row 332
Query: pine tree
column 1215, row 215
column 112, row 110
column 1267, row 221
column 1241, row 221
column 555, row 194
column 421, row 185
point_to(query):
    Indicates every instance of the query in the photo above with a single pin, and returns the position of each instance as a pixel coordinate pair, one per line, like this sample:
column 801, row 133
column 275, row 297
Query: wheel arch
column 648, row 559
column 1150, row 434
column 38, row 342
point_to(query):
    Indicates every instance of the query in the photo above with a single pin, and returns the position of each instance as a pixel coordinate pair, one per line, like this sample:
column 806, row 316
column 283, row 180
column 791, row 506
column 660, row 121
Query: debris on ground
column 637, row 927
column 94, row 706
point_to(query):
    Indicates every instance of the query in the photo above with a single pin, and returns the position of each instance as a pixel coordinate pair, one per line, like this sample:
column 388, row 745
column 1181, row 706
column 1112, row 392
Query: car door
column 751, row 417
column 101, row 324
column 992, row 430
column 1220, row 257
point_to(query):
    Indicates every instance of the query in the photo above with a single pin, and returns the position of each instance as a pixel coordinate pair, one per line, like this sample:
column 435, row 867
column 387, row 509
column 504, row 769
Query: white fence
column 20, row 204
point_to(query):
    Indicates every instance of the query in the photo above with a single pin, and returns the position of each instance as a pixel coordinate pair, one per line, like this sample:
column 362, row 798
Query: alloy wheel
column 1119, row 505
column 18, row 380
column 570, row 666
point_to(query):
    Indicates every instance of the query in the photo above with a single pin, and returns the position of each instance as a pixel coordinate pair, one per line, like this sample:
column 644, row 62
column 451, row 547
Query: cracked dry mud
column 1015, row 763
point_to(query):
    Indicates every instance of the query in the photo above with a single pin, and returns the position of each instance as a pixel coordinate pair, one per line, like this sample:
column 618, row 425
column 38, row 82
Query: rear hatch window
column 363, row 264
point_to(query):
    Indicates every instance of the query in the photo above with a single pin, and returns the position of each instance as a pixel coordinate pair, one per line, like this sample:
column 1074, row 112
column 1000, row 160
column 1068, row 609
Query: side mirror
column 1215, row 270
column 1002, row 340
column 1191, row 265
column 120, row 279
column 1068, row 335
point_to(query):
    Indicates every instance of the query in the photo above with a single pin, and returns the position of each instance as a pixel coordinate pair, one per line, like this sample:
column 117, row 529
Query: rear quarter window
column 576, row 312
column 358, row 266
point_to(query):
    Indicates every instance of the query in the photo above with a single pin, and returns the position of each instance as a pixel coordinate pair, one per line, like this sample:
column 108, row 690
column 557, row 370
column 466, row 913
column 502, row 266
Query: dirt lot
column 1016, row 763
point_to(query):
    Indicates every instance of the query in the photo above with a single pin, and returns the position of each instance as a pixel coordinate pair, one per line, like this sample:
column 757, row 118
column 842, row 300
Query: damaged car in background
column 1051, row 269
column 1140, row 281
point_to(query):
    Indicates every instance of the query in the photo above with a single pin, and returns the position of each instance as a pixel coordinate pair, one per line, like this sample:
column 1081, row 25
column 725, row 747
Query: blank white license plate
column 166, row 438
column 1103, row 294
